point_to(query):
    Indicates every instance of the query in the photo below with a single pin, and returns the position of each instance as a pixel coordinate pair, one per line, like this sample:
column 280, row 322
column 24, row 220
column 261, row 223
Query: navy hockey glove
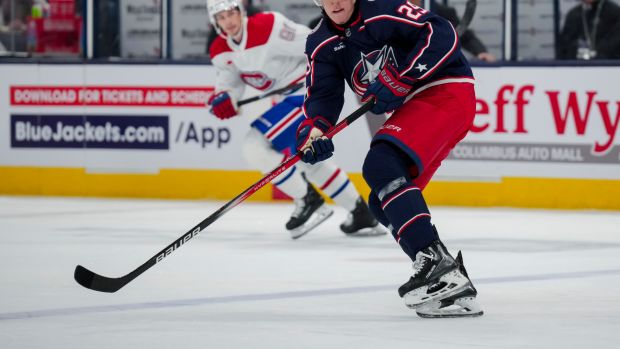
column 222, row 105
column 388, row 90
column 312, row 142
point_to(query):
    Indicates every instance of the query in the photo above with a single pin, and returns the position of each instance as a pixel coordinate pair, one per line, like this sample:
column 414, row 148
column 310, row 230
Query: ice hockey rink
column 546, row 279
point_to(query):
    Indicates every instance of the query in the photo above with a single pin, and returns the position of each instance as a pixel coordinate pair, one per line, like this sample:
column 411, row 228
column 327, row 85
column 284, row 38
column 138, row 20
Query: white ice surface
column 547, row 279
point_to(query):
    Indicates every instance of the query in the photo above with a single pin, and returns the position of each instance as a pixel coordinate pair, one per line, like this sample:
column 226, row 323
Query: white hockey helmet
column 216, row 6
column 319, row 3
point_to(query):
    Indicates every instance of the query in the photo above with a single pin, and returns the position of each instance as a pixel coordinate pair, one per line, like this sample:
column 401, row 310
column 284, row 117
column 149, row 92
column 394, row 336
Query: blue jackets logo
column 89, row 131
column 369, row 66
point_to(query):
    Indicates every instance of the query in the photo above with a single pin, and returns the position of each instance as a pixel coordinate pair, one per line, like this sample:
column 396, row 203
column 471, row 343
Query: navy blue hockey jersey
column 421, row 45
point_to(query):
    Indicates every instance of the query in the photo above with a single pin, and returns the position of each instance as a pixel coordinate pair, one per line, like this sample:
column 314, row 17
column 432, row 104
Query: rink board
column 543, row 137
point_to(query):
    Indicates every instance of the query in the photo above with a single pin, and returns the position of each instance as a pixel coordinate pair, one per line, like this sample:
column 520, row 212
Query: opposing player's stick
column 468, row 15
column 271, row 93
column 101, row 283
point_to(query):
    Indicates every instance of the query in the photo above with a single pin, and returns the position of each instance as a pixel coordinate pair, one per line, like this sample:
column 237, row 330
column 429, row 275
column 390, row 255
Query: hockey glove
column 223, row 106
column 312, row 142
column 389, row 91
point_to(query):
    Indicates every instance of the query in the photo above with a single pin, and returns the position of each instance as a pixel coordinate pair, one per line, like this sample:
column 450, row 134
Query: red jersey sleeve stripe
column 454, row 44
column 316, row 50
column 421, row 52
column 393, row 18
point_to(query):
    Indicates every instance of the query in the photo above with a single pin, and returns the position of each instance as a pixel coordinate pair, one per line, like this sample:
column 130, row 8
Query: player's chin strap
column 102, row 283
column 282, row 90
column 468, row 15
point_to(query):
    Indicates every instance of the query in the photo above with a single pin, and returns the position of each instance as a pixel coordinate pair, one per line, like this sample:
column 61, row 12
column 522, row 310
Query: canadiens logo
column 369, row 66
column 257, row 80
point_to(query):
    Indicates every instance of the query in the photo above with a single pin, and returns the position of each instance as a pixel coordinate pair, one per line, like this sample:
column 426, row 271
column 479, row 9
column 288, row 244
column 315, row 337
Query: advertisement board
column 557, row 122
column 531, row 123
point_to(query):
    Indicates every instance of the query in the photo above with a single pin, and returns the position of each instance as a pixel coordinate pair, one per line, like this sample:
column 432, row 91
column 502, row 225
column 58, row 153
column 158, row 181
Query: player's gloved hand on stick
column 311, row 140
column 223, row 106
column 388, row 90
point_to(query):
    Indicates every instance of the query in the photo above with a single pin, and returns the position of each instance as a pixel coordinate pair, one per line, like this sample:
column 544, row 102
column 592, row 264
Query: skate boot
column 461, row 304
column 437, row 276
column 360, row 222
column 309, row 212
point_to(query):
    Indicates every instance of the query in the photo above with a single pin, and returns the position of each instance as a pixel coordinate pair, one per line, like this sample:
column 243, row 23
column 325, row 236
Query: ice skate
column 360, row 222
column 309, row 212
column 437, row 276
column 461, row 304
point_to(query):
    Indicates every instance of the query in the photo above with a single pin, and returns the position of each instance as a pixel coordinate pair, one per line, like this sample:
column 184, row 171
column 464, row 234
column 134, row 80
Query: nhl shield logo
column 368, row 67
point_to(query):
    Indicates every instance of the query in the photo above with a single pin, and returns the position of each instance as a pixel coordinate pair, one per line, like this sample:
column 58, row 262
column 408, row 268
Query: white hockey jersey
column 269, row 56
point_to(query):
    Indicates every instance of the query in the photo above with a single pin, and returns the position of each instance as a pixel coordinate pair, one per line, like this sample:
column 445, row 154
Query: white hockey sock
column 258, row 152
column 333, row 182
column 292, row 183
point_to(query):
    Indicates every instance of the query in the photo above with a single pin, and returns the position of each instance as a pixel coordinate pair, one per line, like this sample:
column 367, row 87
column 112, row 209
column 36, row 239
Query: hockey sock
column 387, row 173
column 292, row 183
column 333, row 182
column 259, row 153
column 410, row 219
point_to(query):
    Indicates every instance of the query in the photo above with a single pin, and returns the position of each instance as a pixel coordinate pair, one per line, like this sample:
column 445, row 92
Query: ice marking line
column 279, row 295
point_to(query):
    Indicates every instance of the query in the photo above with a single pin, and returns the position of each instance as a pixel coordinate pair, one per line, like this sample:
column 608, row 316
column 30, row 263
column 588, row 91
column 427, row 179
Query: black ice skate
column 460, row 304
column 309, row 212
column 440, row 286
column 360, row 222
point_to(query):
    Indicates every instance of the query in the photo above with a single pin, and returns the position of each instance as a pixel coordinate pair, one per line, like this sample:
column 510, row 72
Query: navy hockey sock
column 410, row 219
column 386, row 171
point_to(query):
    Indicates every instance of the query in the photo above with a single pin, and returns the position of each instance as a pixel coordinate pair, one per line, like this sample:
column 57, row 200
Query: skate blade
column 320, row 215
column 377, row 230
column 462, row 307
column 455, row 282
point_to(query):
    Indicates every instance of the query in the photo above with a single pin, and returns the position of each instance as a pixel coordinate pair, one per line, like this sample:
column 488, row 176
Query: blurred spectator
column 107, row 40
column 469, row 40
column 591, row 31
column 13, row 14
column 250, row 10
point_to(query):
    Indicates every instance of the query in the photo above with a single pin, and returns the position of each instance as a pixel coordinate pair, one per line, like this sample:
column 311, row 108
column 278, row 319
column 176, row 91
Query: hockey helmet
column 216, row 6
column 319, row 3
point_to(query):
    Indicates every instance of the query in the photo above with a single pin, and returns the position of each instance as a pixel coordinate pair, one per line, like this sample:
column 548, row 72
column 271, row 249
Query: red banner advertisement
column 126, row 96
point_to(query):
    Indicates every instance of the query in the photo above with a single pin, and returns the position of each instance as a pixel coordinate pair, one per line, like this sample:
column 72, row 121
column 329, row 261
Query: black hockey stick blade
column 468, row 15
column 96, row 282
column 271, row 93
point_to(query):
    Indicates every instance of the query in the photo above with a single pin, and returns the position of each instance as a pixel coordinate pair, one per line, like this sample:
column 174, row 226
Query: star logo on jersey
column 421, row 67
column 369, row 66
column 371, row 70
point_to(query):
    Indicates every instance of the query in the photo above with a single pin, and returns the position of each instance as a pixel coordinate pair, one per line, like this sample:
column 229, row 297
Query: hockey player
column 265, row 51
column 407, row 60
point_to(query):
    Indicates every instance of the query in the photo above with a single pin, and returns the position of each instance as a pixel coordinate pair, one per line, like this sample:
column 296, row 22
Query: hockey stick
column 468, row 15
column 271, row 93
column 101, row 283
